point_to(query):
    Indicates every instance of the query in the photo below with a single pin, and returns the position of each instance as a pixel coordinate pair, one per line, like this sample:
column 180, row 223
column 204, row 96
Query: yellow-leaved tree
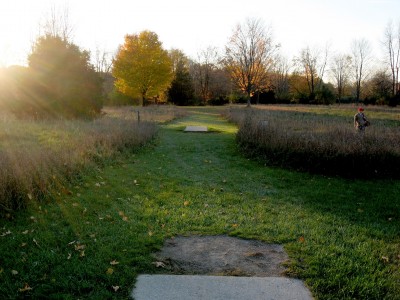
column 142, row 68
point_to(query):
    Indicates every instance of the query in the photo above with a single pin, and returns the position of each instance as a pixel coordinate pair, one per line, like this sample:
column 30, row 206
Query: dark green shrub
column 218, row 101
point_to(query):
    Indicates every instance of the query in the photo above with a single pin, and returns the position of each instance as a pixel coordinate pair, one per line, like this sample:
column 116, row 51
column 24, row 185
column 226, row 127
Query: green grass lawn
column 90, row 243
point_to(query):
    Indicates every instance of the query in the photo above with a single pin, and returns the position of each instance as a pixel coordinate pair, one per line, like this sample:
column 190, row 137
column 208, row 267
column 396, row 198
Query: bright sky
column 192, row 26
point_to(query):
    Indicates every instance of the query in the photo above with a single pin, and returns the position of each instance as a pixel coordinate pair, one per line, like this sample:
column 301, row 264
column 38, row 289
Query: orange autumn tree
column 142, row 68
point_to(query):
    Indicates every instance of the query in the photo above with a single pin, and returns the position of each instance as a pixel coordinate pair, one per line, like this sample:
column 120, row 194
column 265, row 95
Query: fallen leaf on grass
column 79, row 247
column 25, row 232
column 25, row 288
column 82, row 253
column 24, row 244
column 14, row 272
column 114, row 262
column 69, row 256
column 109, row 271
column 8, row 232
column 115, row 288
column 385, row 259
column 122, row 215
column 186, row 203
column 36, row 243
column 302, row 239
column 159, row 264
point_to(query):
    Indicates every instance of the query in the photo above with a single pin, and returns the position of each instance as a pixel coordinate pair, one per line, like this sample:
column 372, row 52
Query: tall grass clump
column 37, row 158
column 325, row 143
column 152, row 113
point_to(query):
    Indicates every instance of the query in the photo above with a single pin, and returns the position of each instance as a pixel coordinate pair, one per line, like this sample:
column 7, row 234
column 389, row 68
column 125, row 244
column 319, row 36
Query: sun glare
column 19, row 24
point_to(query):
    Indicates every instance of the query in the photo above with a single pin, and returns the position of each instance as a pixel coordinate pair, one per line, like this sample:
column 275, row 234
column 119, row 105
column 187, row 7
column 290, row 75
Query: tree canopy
column 58, row 82
column 181, row 91
column 142, row 68
column 67, row 81
column 249, row 56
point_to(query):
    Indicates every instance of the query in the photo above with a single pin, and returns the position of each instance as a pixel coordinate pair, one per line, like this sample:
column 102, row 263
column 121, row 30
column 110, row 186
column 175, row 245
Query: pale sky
column 192, row 26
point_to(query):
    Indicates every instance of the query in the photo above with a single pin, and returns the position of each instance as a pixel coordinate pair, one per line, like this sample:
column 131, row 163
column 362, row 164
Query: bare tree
column 249, row 56
column 57, row 23
column 202, row 72
column 102, row 61
column 361, row 51
column 340, row 70
column 312, row 63
column 392, row 45
column 280, row 77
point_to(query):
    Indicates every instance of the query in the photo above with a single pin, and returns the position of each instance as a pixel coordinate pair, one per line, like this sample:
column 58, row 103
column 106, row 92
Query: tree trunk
column 143, row 100
column 248, row 100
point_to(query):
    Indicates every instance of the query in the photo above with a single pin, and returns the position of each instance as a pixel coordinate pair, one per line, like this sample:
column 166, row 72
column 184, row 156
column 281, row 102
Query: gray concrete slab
column 199, row 287
column 196, row 129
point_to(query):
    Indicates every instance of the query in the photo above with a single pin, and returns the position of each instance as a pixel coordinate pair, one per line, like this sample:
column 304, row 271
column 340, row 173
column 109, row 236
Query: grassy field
column 37, row 157
column 321, row 139
column 91, row 243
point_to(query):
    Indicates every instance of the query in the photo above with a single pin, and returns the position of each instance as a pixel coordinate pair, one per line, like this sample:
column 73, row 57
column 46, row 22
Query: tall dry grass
column 153, row 113
column 318, row 140
column 38, row 158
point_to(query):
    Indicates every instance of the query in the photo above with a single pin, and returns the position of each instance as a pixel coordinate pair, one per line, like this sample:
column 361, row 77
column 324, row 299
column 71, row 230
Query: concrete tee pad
column 219, row 268
column 201, row 287
column 196, row 129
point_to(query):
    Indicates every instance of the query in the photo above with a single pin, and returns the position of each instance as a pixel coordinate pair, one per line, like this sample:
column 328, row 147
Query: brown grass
column 40, row 157
column 321, row 139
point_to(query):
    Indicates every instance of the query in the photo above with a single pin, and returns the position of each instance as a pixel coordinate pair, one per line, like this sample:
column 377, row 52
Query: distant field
column 321, row 139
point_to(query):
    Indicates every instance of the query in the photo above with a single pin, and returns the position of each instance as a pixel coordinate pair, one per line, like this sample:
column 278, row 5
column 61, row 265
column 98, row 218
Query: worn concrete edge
column 191, row 287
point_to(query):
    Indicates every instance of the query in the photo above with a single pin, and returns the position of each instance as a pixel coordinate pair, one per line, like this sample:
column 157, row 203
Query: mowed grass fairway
column 342, row 236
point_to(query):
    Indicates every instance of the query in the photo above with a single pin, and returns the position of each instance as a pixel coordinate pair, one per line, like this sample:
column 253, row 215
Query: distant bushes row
column 318, row 143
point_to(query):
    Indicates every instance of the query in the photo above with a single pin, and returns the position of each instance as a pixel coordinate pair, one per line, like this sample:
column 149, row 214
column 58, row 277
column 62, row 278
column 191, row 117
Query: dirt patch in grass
column 221, row 255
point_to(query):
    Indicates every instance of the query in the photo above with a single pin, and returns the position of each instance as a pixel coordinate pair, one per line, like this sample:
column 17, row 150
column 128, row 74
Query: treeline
column 251, row 70
column 62, row 80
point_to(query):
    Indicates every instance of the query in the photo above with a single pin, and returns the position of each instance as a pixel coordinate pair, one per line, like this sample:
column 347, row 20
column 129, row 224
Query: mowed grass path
column 342, row 236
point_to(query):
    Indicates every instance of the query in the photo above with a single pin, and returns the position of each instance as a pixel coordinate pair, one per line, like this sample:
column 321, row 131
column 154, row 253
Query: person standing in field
column 360, row 121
